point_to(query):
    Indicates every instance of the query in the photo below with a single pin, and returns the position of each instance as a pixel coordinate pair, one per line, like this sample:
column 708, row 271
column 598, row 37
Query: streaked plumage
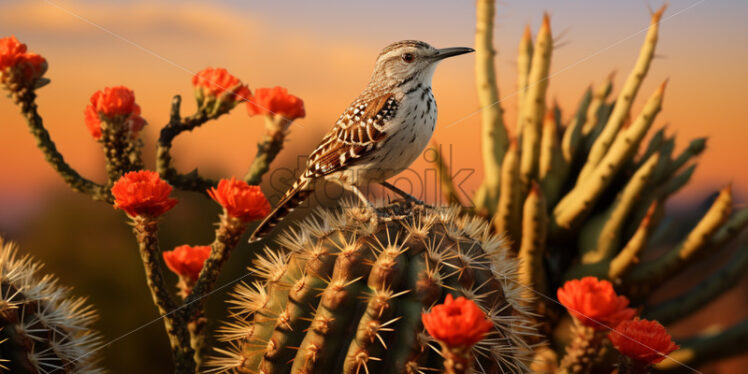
column 381, row 133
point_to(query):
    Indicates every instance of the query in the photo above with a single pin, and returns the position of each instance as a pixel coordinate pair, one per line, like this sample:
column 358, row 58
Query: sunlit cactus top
column 345, row 293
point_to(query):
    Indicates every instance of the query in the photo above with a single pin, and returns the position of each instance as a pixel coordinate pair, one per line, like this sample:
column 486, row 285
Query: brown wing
column 356, row 133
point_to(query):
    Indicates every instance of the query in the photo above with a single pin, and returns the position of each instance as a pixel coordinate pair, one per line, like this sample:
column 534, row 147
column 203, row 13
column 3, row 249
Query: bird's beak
column 449, row 52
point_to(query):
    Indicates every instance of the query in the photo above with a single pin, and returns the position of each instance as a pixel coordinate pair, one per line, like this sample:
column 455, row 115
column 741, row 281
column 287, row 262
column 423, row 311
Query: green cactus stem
column 607, row 235
column 508, row 217
column 532, row 109
column 146, row 233
column 228, row 234
column 493, row 130
column 709, row 346
column 344, row 294
column 553, row 167
column 695, row 147
column 654, row 144
column 625, row 99
column 572, row 140
column 694, row 299
column 581, row 199
column 276, row 128
column 532, row 249
column 445, row 180
column 524, row 58
column 654, row 272
column 583, row 349
column 26, row 99
column 629, row 255
column 597, row 113
column 177, row 125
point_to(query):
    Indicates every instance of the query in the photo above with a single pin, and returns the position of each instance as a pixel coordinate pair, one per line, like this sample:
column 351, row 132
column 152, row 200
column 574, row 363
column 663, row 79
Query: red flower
column 276, row 100
column 457, row 322
column 645, row 341
column 113, row 104
column 595, row 303
column 142, row 193
column 215, row 82
column 187, row 261
column 241, row 200
column 15, row 59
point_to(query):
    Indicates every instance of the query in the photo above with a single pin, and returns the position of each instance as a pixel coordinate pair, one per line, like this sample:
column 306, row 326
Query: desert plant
column 114, row 120
column 576, row 197
column 566, row 203
column 344, row 292
column 43, row 329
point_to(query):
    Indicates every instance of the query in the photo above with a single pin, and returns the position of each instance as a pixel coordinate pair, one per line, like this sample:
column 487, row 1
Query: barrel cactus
column 344, row 293
column 42, row 328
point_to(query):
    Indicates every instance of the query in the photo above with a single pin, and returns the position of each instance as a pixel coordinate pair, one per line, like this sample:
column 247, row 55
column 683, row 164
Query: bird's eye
column 408, row 57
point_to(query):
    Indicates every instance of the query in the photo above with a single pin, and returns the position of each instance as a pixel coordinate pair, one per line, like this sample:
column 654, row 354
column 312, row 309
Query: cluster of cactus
column 577, row 197
column 344, row 293
column 345, row 290
column 42, row 328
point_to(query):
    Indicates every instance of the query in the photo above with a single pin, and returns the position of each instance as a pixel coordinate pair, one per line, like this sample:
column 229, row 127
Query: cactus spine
column 344, row 294
column 42, row 328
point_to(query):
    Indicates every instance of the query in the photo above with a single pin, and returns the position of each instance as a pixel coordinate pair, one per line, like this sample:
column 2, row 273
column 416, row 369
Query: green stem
column 145, row 230
column 26, row 99
column 267, row 149
column 228, row 233
column 192, row 181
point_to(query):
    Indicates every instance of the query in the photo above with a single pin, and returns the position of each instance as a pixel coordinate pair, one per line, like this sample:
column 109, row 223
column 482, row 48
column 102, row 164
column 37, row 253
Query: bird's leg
column 402, row 193
column 373, row 214
column 360, row 195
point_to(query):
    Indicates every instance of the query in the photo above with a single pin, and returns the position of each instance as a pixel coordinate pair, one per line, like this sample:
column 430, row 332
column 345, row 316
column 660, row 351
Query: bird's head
column 410, row 61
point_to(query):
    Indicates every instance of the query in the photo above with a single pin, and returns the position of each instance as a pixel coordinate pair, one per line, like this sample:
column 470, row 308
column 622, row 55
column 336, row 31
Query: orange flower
column 241, row 200
column 113, row 104
column 215, row 82
column 457, row 322
column 187, row 261
column 595, row 303
column 142, row 193
column 15, row 59
column 276, row 100
column 645, row 341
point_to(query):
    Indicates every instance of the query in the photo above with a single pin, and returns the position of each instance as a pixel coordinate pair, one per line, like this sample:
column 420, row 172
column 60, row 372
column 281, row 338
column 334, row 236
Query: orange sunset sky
column 323, row 52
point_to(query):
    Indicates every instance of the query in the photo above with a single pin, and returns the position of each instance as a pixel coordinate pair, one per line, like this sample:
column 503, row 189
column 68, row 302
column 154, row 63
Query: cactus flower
column 116, row 105
column 240, row 200
column 276, row 101
column 594, row 303
column 457, row 323
column 211, row 84
column 142, row 193
column 646, row 342
column 17, row 65
column 187, row 261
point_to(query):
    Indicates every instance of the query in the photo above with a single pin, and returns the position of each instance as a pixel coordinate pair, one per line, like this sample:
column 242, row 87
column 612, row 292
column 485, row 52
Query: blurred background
column 323, row 52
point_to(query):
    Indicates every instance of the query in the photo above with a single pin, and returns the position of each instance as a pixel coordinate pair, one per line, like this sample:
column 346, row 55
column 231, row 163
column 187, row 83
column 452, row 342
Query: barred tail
column 295, row 195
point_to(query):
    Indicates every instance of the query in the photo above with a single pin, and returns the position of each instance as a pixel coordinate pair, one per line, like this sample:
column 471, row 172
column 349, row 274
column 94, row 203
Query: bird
column 380, row 134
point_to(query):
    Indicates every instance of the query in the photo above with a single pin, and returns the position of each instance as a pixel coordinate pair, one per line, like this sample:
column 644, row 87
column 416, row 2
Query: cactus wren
column 380, row 134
